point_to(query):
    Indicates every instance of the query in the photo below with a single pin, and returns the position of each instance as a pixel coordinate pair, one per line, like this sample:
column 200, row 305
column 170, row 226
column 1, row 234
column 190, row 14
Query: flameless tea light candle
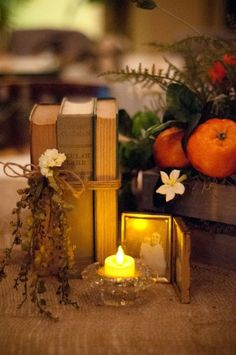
column 120, row 280
column 119, row 265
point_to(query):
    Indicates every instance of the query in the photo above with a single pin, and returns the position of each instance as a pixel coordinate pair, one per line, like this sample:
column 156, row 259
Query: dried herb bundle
column 40, row 227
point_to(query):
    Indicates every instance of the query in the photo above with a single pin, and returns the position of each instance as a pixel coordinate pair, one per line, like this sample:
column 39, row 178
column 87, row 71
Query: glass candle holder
column 119, row 291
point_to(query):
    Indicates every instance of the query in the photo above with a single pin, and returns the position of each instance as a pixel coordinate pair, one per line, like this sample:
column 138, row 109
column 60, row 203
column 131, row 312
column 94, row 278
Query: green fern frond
column 198, row 54
column 144, row 76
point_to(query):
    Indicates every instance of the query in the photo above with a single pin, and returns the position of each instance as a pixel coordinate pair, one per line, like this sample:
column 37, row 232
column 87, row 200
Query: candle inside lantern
column 119, row 265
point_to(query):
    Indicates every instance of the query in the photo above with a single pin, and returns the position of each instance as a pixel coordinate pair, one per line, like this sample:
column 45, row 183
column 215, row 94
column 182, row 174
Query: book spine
column 42, row 137
column 106, row 211
column 42, row 130
column 75, row 139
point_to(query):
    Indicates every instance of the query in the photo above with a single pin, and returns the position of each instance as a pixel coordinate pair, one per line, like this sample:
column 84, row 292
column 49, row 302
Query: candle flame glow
column 120, row 255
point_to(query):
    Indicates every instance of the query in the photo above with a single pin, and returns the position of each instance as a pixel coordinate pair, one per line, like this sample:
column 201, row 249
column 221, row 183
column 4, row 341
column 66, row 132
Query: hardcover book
column 106, row 214
column 75, row 139
column 87, row 133
column 43, row 119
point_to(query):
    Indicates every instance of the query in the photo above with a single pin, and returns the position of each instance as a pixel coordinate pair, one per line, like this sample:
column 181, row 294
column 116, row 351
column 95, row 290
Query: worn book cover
column 43, row 129
column 43, row 119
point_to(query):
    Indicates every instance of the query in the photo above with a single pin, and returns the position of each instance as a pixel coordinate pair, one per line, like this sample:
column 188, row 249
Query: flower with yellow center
column 171, row 184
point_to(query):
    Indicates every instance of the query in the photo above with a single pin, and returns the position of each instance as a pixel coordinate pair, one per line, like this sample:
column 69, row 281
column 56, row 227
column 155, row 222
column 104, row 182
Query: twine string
column 72, row 181
column 27, row 171
column 64, row 175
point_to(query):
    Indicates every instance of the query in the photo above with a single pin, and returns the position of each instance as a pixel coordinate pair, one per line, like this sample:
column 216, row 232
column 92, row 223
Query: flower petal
column 170, row 194
column 164, row 177
column 163, row 189
column 174, row 175
column 179, row 188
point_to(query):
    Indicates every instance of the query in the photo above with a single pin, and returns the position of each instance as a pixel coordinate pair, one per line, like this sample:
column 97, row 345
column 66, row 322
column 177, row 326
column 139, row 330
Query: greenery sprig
column 145, row 76
column 40, row 227
column 197, row 53
column 201, row 88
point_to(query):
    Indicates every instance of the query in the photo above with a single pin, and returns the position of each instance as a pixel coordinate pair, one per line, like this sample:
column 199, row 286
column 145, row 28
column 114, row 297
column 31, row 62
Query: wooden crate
column 216, row 203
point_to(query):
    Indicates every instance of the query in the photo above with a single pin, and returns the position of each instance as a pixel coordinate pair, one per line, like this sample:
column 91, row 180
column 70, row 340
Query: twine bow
column 28, row 171
column 73, row 182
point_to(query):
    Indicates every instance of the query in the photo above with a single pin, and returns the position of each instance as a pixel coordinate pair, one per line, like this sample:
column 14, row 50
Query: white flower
column 49, row 159
column 172, row 184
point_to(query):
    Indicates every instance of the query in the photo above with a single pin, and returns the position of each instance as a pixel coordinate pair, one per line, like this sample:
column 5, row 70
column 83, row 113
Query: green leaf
column 142, row 121
column 145, row 4
column 136, row 155
column 181, row 102
column 167, row 117
column 160, row 127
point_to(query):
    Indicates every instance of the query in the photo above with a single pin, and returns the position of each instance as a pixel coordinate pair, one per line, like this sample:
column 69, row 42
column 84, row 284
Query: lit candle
column 119, row 265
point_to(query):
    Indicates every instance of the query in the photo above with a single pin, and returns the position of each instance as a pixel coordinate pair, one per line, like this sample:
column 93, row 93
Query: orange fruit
column 211, row 148
column 167, row 149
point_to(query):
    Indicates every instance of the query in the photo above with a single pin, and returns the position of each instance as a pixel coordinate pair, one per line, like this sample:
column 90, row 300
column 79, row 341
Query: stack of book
column 87, row 133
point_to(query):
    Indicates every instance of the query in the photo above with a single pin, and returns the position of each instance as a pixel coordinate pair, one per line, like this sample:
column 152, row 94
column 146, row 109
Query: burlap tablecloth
column 159, row 325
